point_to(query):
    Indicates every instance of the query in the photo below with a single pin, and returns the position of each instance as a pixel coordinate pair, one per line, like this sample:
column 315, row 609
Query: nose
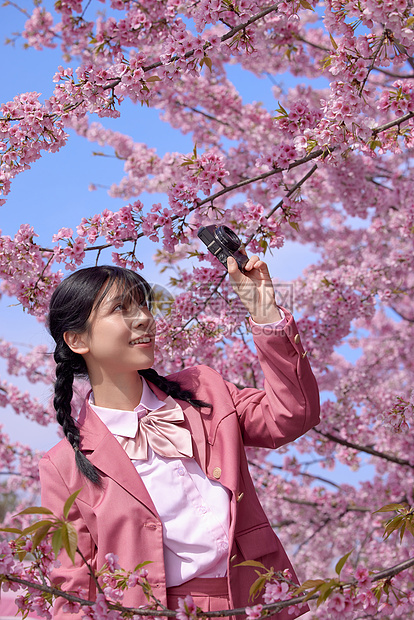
column 142, row 317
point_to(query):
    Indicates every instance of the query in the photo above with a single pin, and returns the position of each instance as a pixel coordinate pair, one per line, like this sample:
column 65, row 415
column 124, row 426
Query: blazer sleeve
column 289, row 404
column 68, row 576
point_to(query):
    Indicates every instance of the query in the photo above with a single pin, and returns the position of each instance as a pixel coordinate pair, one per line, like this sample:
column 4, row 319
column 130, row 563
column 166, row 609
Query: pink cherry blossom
column 254, row 612
column 325, row 168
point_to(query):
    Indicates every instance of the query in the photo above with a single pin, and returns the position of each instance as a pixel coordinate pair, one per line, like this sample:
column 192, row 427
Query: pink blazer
column 120, row 517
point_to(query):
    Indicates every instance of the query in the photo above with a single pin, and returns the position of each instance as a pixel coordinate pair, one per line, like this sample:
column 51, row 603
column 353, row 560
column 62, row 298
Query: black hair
column 70, row 308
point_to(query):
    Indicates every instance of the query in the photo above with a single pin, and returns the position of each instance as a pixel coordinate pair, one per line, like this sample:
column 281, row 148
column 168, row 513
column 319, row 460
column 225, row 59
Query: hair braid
column 66, row 366
column 172, row 388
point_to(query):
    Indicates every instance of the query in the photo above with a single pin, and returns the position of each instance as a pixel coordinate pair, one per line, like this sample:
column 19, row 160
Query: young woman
column 160, row 461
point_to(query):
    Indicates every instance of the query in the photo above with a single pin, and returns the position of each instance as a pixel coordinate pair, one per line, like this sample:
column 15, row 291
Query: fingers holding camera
column 255, row 289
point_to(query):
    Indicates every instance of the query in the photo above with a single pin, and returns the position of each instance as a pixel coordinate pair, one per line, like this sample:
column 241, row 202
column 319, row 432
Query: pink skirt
column 209, row 594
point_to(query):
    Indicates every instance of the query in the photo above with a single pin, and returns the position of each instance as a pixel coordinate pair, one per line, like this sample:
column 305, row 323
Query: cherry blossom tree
column 326, row 166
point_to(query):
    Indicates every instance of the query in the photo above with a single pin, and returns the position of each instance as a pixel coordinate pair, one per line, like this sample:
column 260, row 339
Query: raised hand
column 255, row 289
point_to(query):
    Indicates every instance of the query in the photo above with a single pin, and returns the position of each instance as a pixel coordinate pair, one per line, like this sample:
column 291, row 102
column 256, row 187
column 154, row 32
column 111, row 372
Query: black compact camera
column 223, row 242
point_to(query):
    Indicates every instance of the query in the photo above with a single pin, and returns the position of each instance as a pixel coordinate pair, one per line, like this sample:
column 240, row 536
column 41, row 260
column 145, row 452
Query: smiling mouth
column 142, row 340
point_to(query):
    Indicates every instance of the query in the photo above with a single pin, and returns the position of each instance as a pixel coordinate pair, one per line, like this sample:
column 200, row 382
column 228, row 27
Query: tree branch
column 301, row 473
column 387, row 573
column 367, row 449
column 294, row 188
column 190, row 53
column 225, row 190
column 402, row 316
column 263, row 176
column 397, row 121
column 236, row 29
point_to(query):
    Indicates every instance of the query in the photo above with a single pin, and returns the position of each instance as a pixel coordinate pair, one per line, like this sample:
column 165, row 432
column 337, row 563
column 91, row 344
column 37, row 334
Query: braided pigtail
column 67, row 365
column 172, row 388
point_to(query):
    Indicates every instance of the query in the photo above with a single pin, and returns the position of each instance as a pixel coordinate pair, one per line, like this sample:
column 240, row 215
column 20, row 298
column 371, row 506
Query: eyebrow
column 123, row 298
column 115, row 299
column 108, row 301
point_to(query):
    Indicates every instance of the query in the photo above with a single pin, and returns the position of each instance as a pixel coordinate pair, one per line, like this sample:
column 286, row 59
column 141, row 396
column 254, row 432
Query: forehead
column 122, row 291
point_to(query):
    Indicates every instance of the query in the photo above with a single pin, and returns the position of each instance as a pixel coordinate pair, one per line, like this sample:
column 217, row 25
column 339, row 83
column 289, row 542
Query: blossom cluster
column 327, row 168
column 398, row 417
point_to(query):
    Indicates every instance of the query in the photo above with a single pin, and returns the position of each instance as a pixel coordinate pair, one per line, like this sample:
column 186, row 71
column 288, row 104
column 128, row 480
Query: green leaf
column 341, row 562
column 35, row 526
column 325, row 591
column 208, row 62
column 142, row 564
column 410, row 21
column 35, row 510
column 264, row 244
column 281, row 109
column 334, row 43
column 257, row 586
column 306, row 5
column 393, row 525
column 69, row 539
column 21, row 555
column 41, row 533
column 57, row 542
column 390, row 507
column 69, row 502
column 373, row 145
column 252, row 563
column 12, row 530
column 153, row 78
column 294, row 225
column 309, row 583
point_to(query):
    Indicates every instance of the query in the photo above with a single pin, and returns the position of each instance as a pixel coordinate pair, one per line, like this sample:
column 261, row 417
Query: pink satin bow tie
column 160, row 431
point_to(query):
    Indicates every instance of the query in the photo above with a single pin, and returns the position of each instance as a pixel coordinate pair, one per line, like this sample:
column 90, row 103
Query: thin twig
column 374, row 58
column 205, row 114
column 18, row 474
column 306, row 502
column 90, row 571
column 301, row 473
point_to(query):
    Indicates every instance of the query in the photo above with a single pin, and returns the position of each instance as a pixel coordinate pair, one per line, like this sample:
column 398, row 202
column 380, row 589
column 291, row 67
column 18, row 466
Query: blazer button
column 233, row 557
column 151, row 525
column 240, row 496
column 297, row 339
column 216, row 473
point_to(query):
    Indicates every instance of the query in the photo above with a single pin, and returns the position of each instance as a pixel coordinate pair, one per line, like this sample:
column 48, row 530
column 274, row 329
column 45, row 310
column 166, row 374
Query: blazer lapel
column 109, row 457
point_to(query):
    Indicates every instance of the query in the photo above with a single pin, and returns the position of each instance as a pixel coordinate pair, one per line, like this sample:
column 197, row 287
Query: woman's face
column 120, row 338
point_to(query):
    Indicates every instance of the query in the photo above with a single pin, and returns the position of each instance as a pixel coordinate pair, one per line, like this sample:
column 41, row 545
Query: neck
column 122, row 392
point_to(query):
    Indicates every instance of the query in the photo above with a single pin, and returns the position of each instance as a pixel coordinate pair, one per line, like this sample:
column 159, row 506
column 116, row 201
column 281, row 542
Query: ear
column 76, row 342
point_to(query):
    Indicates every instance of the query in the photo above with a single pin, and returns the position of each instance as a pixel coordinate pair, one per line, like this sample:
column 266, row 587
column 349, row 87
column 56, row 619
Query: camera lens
column 228, row 238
